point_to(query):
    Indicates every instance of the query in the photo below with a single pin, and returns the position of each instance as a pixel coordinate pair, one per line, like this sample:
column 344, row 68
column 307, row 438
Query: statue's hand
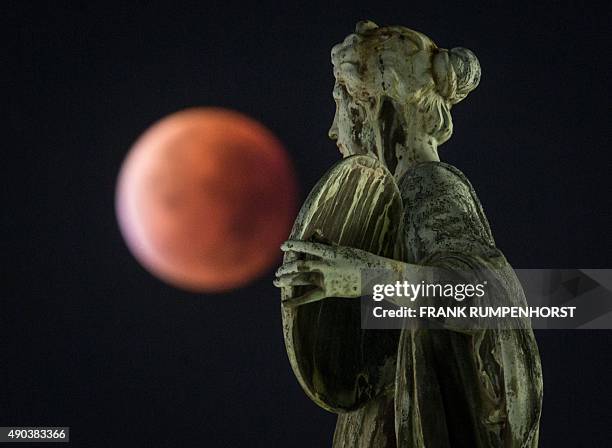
column 336, row 271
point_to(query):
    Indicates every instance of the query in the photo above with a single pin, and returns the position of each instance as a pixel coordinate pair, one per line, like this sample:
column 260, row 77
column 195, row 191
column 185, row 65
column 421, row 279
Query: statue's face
column 350, row 114
column 370, row 65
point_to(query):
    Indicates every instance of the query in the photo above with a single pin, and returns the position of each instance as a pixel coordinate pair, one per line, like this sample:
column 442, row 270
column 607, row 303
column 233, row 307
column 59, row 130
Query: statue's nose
column 333, row 130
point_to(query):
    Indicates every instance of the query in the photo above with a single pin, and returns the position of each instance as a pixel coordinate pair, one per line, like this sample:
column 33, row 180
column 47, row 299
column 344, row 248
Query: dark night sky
column 89, row 340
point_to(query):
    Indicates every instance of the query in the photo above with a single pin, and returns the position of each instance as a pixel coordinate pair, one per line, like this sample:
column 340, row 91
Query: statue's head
column 394, row 85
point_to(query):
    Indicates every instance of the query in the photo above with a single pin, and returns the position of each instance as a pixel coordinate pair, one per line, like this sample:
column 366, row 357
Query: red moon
column 204, row 199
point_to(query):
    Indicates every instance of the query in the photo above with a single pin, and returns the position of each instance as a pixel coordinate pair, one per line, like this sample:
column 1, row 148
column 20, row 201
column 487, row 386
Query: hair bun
column 456, row 73
column 467, row 70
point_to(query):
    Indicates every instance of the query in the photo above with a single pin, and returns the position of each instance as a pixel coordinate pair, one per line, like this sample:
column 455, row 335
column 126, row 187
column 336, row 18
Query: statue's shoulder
column 434, row 190
column 429, row 177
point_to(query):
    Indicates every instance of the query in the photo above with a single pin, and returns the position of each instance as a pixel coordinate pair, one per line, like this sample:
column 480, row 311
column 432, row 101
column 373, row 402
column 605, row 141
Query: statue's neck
column 397, row 138
column 413, row 152
column 409, row 156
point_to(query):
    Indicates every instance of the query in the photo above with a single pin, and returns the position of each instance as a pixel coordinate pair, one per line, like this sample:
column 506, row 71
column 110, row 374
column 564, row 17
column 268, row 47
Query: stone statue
column 394, row 91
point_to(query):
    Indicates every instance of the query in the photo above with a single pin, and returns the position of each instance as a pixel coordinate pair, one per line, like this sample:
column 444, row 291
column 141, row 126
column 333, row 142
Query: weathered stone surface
column 450, row 388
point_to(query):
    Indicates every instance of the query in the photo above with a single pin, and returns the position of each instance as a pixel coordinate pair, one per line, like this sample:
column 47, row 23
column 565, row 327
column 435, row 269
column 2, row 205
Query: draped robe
column 452, row 388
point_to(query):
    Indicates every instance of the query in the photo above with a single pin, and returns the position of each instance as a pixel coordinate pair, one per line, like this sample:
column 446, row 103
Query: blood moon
column 204, row 199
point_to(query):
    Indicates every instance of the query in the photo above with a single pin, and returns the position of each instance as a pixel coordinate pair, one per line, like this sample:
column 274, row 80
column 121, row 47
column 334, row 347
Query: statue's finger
column 312, row 296
column 294, row 267
column 307, row 247
column 299, row 279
